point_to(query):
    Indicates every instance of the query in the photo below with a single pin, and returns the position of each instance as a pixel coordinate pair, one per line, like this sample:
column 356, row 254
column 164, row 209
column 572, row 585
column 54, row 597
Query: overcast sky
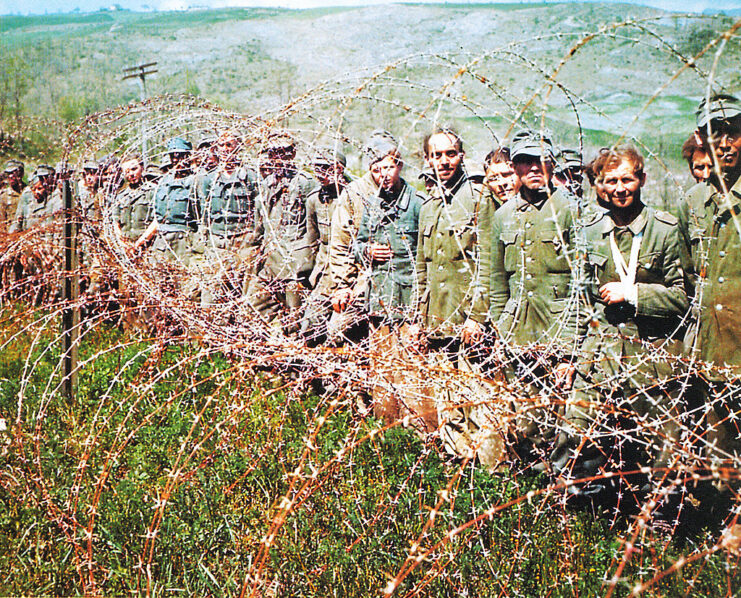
column 42, row 6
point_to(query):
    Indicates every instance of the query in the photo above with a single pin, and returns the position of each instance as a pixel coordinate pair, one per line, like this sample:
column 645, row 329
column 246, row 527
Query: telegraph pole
column 140, row 72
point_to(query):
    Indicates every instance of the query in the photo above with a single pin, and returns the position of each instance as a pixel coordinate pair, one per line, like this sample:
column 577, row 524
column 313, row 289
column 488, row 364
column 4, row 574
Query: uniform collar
column 521, row 204
column 635, row 227
column 726, row 202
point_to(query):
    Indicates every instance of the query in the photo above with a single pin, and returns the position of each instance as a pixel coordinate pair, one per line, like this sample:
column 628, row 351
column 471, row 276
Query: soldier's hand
column 379, row 253
column 471, row 332
column 341, row 299
column 612, row 292
column 564, row 374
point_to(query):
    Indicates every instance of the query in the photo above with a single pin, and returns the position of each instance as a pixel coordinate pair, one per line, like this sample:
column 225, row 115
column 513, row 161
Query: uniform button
column 528, row 225
column 528, row 276
column 528, row 259
column 440, row 268
column 718, row 307
column 621, row 325
column 721, row 280
column 529, row 242
column 442, row 284
column 722, row 253
column 439, row 251
column 529, row 293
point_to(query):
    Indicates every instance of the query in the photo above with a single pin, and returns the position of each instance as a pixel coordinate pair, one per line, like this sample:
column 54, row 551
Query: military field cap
column 152, row 172
column 206, row 142
column 569, row 158
column 12, row 166
column 279, row 141
column 90, row 165
column 379, row 145
column 328, row 155
column 722, row 106
column 427, row 174
column 42, row 170
column 178, row 144
column 63, row 167
column 535, row 144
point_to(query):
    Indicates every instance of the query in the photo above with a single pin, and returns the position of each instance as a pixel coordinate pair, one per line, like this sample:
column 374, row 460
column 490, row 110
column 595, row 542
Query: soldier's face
column 40, row 188
column 328, row 174
column 386, row 173
column 443, row 156
column 701, row 166
column 726, row 141
column 227, row 149
column 502, row 180
column 622, row 185
column 533, row 172
column 91, row 178
column 133, row 171
column 14, row 178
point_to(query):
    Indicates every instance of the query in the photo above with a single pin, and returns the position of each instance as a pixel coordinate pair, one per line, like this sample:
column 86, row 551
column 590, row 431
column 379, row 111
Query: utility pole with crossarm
column 140, row 72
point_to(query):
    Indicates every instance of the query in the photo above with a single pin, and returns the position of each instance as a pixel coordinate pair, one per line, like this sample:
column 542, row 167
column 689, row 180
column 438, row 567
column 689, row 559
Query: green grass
column 238, row 446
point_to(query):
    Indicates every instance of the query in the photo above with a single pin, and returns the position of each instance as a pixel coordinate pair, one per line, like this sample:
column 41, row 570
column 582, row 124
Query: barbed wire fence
column 70, row 469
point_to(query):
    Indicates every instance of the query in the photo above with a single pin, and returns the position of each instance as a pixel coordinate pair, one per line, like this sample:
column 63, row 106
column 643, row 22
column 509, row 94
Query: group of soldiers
column 578, row 292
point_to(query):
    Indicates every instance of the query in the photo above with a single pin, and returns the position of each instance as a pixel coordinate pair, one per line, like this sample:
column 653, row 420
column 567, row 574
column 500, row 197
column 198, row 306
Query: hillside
column 253, row 60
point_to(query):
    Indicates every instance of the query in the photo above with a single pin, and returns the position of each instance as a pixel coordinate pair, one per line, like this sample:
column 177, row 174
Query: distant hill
column 252, row 60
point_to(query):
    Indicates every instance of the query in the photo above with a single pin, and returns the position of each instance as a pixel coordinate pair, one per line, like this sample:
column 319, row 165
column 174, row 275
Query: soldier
column 711, row 214
column 634, row 285
column 175, row 208
column 698, row 156
column 532, row 308
column 227, row 199
column 448, row 258
column 329, row 169
column 36, row 205
column 501, row 180
column 287, row 252
column 89, row 190
column 348, row 284
column 386, row 247
column 132, row 206
column 570, row 172
column 206, row 157
column 11, row 193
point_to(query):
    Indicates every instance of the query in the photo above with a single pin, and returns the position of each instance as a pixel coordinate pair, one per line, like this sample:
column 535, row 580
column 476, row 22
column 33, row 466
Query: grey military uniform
column 228, row 203
column 31, row 213
column 9, row 199
column 393, row 222
column 133, row 209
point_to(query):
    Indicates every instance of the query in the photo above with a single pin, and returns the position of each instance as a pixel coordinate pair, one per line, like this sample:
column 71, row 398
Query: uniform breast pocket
column 509, row 240
column 462, row 240
column 596, row 266
column 427, row 249
column 553, row 252
column 651, row 265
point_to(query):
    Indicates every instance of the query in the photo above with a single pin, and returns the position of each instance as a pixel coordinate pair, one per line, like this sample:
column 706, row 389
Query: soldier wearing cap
column 11, row 193
column 329, row 169
column 386, row 249
column 89, row 189
column 36, row 205
column 347, row 283
column 175, row 208
column 569, row 172
column 286, row 252
column 532, row 305
column 711, row 218
column 206, row 157
column 227, row 199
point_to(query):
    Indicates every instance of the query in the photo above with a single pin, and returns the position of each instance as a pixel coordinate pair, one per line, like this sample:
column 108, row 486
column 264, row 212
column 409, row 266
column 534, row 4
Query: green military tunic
column 227, row 202
column 714, row 231
column 618, row 333
column 393, row 222
column 448, row 257
column 9, row 199
column 31, row 213
column 531, row 279
column 320, row 206
column 133, row 210
column 176, row 212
